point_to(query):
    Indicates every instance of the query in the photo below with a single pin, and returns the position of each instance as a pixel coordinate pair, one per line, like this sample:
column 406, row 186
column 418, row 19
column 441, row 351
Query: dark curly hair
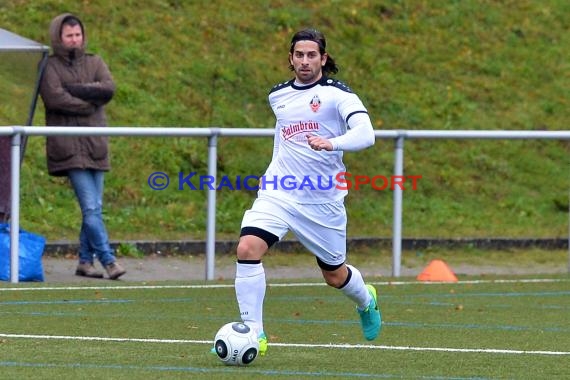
column 314, row 35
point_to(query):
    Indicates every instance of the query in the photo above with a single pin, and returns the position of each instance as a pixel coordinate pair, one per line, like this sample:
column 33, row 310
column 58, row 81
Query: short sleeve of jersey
column 349, row 102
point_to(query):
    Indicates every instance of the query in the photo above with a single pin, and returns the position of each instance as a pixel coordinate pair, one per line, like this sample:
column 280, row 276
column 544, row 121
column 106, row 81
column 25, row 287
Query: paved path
column 58, row 269
column 191, row 268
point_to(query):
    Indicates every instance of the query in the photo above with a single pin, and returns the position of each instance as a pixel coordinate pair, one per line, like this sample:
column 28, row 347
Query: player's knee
column 248, row 250
column 333, row 282
column 335, row 275
column 334, row 279
column 242, row 251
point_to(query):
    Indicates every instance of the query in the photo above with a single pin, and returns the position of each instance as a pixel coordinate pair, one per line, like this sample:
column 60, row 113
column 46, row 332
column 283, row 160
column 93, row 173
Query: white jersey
column 298, row 173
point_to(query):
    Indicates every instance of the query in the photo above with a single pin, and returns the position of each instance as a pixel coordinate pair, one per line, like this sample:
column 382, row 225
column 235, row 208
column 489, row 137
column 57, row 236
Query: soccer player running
column 317, row 118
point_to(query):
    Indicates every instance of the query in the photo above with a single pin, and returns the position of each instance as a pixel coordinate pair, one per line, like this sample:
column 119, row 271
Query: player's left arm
column 360, row 134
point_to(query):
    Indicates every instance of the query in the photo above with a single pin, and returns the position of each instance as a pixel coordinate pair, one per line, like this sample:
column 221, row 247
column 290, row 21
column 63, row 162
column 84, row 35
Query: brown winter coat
column 75, row 87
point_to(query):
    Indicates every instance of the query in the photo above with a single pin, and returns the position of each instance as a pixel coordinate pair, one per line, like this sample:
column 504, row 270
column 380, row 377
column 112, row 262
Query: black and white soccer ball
column 236, row 344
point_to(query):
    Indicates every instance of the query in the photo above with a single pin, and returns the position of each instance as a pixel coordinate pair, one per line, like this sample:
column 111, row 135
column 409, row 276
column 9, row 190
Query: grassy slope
column 417, row 65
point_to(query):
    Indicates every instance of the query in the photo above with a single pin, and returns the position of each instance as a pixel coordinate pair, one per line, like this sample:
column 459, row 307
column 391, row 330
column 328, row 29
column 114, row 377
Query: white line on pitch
column 342, row 346
column 298, row 284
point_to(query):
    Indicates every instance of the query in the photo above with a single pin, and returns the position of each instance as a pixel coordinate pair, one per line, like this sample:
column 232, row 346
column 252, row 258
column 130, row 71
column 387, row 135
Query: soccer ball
column 236, row 344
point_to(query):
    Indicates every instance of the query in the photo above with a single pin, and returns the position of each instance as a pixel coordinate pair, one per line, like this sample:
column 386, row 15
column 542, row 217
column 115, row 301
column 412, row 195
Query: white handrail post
column 397, row 233
column 15, row 207
column 211, row 218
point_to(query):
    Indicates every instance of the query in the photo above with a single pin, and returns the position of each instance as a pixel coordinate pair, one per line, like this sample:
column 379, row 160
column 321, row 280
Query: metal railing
column 399, row 136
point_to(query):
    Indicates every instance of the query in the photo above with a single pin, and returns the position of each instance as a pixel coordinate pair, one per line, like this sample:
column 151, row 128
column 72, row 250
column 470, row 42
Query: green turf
column 305, row 324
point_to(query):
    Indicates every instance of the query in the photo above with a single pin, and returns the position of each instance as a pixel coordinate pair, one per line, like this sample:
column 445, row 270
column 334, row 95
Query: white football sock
column 355, row 289
column 250, row 292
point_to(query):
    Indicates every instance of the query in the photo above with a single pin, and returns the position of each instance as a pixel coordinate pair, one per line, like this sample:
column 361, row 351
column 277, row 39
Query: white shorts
column 321, row 228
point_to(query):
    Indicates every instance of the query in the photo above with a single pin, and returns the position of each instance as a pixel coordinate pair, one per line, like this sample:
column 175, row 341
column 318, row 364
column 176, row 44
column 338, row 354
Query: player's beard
column 308, row 75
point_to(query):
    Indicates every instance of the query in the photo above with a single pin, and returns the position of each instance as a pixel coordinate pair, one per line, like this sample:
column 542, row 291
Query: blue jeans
column 93, row 238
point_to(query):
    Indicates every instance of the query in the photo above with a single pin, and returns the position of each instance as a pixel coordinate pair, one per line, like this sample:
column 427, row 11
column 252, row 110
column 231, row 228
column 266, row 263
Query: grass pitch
column 515, row 327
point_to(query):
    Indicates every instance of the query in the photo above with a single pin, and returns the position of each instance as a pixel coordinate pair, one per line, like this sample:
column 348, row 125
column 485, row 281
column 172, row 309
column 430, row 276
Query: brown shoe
column 114, row 270
column 88, row 270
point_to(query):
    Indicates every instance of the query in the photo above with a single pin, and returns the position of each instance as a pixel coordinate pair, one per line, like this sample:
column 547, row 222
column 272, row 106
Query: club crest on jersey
column 315, row 103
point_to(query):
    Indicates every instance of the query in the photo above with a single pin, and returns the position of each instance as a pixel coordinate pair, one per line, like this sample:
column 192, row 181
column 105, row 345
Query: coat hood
column 55, row 38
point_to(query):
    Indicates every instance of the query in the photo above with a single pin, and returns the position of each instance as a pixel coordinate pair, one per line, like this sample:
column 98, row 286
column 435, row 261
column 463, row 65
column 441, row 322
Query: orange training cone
column 437, row 270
